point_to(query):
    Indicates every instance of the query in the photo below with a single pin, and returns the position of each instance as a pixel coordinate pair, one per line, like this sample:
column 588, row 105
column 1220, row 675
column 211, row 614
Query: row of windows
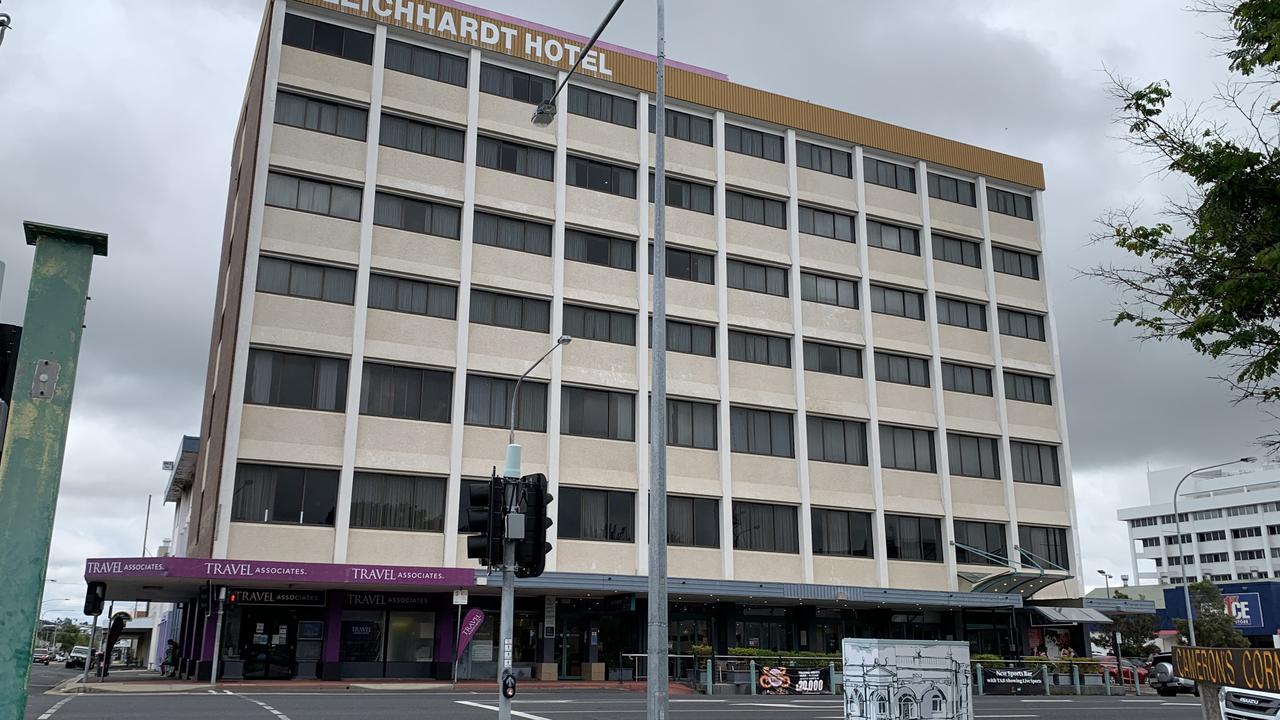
column 754, row 142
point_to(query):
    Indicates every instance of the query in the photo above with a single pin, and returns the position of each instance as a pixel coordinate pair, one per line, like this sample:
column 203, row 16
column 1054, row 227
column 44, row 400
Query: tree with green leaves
column 68, row 634
column 1214, row 627
column 1136, row 633
column 1208, row 273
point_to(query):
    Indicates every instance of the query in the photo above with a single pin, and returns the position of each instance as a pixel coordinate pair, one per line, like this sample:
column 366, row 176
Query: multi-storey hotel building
column 867, row 431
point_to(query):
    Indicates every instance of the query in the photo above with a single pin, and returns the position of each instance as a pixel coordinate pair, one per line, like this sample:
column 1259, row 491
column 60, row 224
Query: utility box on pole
column 31, row 464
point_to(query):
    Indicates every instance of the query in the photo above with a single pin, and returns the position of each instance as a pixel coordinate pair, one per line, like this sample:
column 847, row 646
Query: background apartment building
column 1230, row 526
column 865, row 411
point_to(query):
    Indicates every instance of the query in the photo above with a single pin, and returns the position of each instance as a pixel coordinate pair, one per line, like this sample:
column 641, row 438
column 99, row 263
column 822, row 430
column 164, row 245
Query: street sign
column 459, row 597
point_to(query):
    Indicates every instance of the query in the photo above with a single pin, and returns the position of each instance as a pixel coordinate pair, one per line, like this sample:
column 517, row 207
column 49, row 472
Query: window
column 908, row 537
column 1007, row 203
column 1248, row 532
column 510, row 311
column 1273, row 529
column 1239, row 510
column 1173, row 539
column 305, row 280
column 1027, row 388
column 683, row 126
column 296, row 381
column 838, row 441
column 323, row 37
column 892, row 301
column 515, row 158
column 410, row 393
column 1220, row 578
column 760, row 349
column 1012, row 262
column 489, row 403
column 902, row 369
column 1036, row 463
column 1184, row 560
column 412, row 296
column 765, row 527
column 686, row 195
column 753, row 142
column 891, row 175
column 904, row 448
column 1144, row 522
column 1205, row 514
column 587, row 247
column 313, row 196
column 602, row 106
column 832, row 359
column 514, row 84
column 598, row 413
column 892, row 237
column 688, row 265
column 973, row 456
column 321, row 115
column 841, row 532
column 1201, row 537
column 693, row 521
column 1040, row 544
column 985, row 536
column 829, row 290
column 1271, row 507
column 602, row 177
column 597, row 514
column 966, row 379
column 955, row 250
column 1169, row 519
column 827, row 224
column 952, row 190
column 512, row 234
column 824, row 159
column 1021, row 324
column 1153, row 542
column 690, row 338
column 691, row 424
column 960, row 313
column 755, row 209
column 423, row 138
column 426, row 63
column 590, row 323
column 1214, row 557
column 760, row 432
column 276, row 494
column 382, row 501
column 418, row 216
column 754, row 277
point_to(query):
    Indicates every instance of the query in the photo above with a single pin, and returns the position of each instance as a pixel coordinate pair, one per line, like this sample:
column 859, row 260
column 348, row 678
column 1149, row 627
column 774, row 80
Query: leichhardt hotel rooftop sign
column 521, row 39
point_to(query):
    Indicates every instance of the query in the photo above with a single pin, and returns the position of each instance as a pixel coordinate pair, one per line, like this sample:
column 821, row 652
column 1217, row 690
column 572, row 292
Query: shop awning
column 1068, row 615
column 1023, row 583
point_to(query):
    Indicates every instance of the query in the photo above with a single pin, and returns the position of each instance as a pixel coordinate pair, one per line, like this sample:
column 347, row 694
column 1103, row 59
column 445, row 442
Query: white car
column 78, row 657
column 1241, row 704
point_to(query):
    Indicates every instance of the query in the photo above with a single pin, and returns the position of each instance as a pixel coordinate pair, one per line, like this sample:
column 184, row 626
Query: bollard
column 1106, row 680
column 977, row 671
column 1075, row 677
column 754, row 682
column 831, row 672
column 1044, row 674
column 711, row 666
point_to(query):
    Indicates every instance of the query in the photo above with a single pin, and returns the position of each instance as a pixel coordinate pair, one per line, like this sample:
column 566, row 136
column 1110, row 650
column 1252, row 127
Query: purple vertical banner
column 471, row 622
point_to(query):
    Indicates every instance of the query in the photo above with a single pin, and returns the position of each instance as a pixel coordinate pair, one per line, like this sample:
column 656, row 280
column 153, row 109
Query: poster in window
column 361, row 641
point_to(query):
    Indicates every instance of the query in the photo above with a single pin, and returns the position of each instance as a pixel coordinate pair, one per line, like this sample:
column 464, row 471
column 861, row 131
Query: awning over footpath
column 1017, row 582
column 1068, row 616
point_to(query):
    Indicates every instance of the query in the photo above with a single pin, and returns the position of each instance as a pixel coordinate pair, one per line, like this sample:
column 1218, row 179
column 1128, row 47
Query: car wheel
column 1166, row 692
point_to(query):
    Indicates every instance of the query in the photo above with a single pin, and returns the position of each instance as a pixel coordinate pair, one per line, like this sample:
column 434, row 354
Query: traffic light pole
column 507, row 613
column 31, row 466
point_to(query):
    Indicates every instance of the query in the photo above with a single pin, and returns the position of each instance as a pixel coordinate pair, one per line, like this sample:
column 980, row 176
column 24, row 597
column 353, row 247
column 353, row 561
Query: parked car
column 1128, row 669
column 60, row 657
column 1248, row 704
column 1162, row 679
column 40, row 657
column 78, row 657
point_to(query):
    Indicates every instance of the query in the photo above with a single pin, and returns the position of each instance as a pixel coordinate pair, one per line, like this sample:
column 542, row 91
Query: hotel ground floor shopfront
column 329, row 621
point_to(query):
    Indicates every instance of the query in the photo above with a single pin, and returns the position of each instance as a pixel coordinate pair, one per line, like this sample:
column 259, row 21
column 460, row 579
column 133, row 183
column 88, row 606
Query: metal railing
column 707, row 672
column 1068, row 676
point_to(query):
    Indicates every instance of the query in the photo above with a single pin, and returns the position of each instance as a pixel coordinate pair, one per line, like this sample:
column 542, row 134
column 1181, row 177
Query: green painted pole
column 31, row 465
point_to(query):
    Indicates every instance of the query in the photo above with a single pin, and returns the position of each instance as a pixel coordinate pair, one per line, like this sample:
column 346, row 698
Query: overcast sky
column 118, row 117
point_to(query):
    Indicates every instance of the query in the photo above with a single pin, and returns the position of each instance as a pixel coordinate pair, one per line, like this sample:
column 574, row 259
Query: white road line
column 1005, row 716
column 517, row 713
column 55, row 708
column 1143, row 701
column 1178, row 704
column 1046, row 701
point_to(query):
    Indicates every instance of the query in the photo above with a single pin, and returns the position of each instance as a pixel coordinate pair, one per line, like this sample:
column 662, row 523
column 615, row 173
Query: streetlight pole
column 1177, row 524
column 511, row 500
column 656, row 657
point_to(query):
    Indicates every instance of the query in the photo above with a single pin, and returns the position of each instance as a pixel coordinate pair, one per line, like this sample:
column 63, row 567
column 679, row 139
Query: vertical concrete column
column 31, row 467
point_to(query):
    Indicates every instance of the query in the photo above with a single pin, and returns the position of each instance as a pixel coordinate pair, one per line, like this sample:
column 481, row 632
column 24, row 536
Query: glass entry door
column 268, row 643
column 572, row 633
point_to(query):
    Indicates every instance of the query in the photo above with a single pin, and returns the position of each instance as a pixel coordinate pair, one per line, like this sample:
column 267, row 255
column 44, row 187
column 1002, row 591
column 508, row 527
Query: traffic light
column 485, row 518
column 202, row 600
column 94, row 598
column 531, row 551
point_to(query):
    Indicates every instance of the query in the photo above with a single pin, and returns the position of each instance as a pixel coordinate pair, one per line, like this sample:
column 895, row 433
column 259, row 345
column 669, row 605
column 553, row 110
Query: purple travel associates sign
column 264, row 570
column 471, row 622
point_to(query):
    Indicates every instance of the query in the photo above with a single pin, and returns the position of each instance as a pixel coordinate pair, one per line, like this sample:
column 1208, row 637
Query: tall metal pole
column 93, row 642
column 31, row 466
column 146, row 526
column 658, row 704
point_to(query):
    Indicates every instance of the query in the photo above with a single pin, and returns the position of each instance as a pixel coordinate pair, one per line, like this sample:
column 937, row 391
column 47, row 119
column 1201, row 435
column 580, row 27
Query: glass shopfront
column 272, row 634
column 388, row 635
